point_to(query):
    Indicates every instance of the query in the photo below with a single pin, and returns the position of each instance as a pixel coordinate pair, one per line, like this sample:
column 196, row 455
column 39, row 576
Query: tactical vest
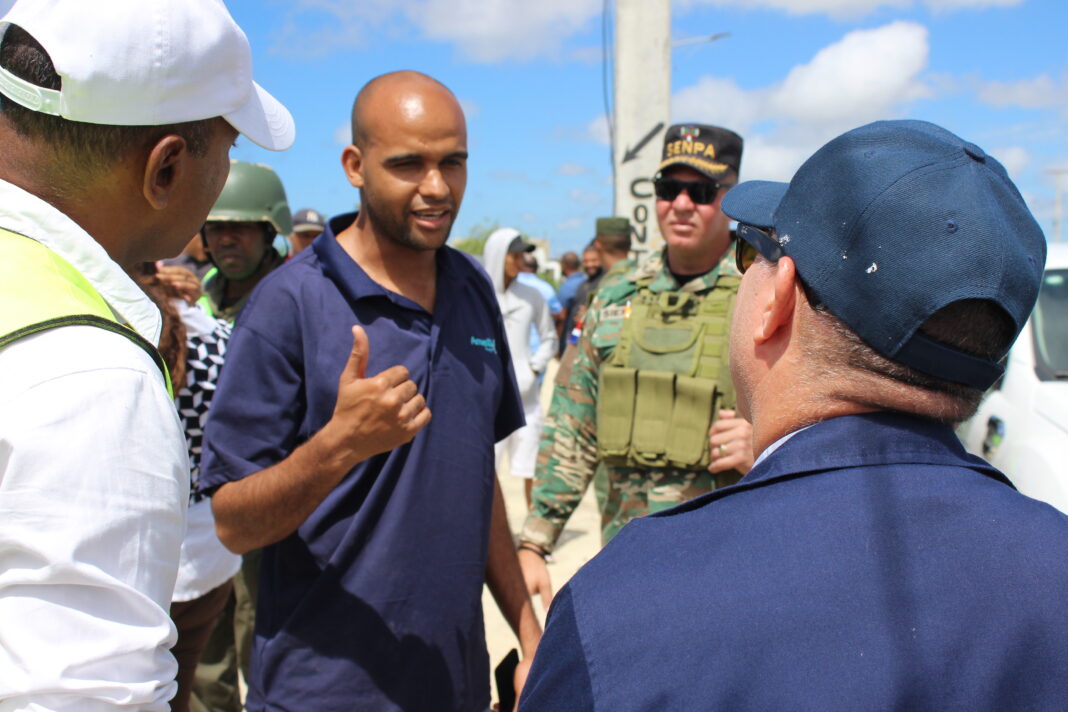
column 666, row 378
column 39, row 290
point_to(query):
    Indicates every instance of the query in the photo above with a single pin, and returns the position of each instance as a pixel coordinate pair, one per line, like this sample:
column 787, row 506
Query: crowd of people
column 270, row 452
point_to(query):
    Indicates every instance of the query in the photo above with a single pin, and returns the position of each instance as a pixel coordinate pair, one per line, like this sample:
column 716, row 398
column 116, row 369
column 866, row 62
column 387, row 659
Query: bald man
column 379, row 529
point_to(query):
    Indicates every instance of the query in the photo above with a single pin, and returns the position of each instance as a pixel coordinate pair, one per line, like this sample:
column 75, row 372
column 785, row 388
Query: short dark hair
column 975, row 326
column 569, row 260
column 86, row 146
column 615, row 244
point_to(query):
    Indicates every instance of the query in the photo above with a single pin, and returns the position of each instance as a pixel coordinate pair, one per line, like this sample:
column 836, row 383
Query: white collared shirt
column 776, row 445
column 94, row 483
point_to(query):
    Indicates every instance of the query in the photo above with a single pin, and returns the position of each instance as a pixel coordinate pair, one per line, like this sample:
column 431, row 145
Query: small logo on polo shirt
column 488, row 344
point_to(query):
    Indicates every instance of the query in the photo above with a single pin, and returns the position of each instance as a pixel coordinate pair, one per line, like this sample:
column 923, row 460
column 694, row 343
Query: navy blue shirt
column 867, row 564
column 375, row 601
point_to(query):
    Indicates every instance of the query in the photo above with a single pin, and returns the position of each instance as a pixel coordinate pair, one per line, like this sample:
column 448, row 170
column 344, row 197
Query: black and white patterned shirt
column 206, row 342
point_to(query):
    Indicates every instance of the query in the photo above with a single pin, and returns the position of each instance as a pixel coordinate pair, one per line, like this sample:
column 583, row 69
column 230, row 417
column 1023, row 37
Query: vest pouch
column 615, row 413
column 675, row 348
column 652, row 417
column 691, row 417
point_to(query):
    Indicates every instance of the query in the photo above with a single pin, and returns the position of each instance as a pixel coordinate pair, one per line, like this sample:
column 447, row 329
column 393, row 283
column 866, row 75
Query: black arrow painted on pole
column 632, row 153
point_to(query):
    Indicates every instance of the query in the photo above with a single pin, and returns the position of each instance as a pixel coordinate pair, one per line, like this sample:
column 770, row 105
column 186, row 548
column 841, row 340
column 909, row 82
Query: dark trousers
column 195, row 621
column 215, row 687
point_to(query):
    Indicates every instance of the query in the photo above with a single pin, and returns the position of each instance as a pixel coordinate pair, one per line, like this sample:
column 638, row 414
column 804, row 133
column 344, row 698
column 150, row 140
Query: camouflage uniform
column 568, row 460
column 558, row 404
column 215, row 290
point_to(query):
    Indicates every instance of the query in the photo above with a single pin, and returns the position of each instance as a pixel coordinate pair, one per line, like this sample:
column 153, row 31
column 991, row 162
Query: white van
column 1022, row 425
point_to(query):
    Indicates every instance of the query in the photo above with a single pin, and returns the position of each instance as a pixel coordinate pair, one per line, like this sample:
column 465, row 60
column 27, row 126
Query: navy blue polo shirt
column 375, row 601
column 867, row 564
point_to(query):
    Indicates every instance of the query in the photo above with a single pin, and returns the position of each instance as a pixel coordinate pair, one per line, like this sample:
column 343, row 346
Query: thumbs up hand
column 374, row 414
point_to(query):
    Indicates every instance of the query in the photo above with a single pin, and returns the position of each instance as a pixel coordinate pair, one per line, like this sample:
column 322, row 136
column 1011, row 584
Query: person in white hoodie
column 522, row 307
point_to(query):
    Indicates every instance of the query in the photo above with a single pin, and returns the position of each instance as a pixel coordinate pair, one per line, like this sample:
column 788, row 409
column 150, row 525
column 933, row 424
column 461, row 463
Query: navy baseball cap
column 892, row 221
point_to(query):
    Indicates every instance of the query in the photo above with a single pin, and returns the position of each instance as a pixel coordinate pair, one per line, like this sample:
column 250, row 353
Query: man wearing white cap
column 116, row 120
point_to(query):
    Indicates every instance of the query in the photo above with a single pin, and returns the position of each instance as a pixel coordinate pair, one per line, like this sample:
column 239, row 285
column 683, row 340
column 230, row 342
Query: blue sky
column 791, row 75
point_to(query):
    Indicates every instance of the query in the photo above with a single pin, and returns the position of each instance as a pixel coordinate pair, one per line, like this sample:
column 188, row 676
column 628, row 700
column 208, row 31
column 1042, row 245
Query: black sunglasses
column 702, row 192
column 753, row 241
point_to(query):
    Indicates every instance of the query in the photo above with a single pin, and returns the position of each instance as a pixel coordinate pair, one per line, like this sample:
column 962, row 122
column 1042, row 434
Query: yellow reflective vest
column 39, row 290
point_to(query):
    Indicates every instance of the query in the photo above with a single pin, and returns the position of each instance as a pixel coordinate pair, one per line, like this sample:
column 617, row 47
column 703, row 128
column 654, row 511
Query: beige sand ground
column 579, row 542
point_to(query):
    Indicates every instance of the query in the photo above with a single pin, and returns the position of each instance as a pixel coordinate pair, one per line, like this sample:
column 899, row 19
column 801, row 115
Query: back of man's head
column 917, row 255
column 569, row 263
column 613, row 236
column 85, row 86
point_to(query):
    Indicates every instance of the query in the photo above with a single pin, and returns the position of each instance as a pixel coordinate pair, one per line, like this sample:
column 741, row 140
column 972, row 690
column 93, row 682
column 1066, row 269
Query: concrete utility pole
column 641, row 111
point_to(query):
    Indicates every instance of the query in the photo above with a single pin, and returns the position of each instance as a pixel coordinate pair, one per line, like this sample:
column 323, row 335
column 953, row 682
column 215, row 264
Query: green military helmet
column 253, row 193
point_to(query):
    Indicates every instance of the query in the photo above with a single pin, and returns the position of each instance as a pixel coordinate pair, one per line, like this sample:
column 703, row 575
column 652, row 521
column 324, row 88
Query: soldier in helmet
column 649, row 401
column 239, row 235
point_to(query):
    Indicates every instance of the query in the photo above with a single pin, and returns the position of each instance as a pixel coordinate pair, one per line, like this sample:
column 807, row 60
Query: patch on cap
column 709, row 150
column 308, row 219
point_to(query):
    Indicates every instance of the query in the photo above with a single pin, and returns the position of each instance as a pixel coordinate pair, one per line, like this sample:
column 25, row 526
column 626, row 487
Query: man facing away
column 378, row 529
column 116, row 121
column 650, row 378
column 866, row 561
column 523, row 309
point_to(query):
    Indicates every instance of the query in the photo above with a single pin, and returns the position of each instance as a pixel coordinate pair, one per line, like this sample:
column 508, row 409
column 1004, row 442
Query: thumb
column 357, row 364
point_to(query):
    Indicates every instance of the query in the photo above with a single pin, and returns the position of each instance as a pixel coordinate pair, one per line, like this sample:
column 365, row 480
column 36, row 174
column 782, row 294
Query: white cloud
column 586, row 197
column 951, row 5
column 1014, row 158
column 492, row 30
column 865, row 76
column 517, row 177
column 573, row 169
column 570, row 224
column 862, row 77
column 471, row 109
column 597, row 129
column 849, row 9
column 481, row 30
column 1041, row 92
column 343, row 134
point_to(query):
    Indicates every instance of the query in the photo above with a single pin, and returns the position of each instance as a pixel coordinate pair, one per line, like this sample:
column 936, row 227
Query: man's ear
column 352, row 163
column 165, row 170
column 778, row 310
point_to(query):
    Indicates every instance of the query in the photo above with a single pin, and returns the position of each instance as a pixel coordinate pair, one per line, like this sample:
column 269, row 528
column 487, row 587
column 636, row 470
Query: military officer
column 649, row 399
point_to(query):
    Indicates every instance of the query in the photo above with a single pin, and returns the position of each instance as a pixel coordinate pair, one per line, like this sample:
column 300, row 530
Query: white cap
column 147, row 63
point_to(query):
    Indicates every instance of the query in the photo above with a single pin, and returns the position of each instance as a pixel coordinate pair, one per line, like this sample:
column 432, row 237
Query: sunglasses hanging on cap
column 753, row 241
column 702, row 192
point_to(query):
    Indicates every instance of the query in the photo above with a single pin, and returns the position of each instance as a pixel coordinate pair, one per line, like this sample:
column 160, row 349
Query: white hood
column 523, row 308
column 494, row 253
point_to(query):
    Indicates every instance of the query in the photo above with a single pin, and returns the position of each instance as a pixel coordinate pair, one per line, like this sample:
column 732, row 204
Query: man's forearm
column 269, row 505
column 505, row 579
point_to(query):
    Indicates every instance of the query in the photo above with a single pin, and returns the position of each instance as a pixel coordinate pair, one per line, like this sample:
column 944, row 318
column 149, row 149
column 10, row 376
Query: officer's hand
column 378, row 413
column 181, row 279
column 536, row 576
column 730, row 443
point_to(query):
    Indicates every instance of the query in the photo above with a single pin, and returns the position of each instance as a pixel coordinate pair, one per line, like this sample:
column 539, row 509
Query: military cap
column 613, row 226
column 709, row 150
